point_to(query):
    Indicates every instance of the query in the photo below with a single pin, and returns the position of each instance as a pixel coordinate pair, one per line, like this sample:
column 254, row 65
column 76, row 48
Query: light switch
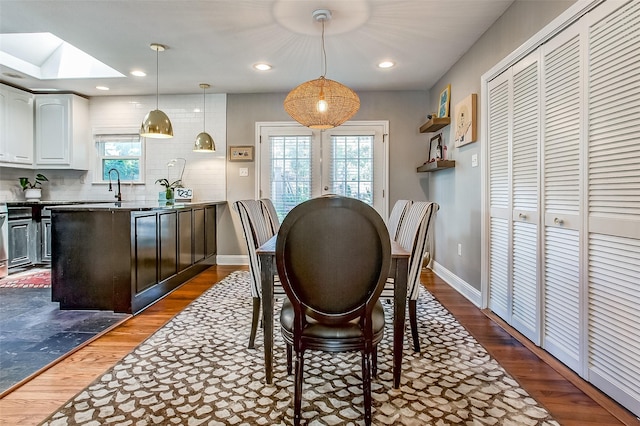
column 244, row 171
column 474, row 160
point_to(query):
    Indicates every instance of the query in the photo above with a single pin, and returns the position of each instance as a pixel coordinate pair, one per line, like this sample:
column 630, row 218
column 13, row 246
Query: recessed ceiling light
column 386, row 64
column 102, row 88
column 138, row 73
column 262, row 66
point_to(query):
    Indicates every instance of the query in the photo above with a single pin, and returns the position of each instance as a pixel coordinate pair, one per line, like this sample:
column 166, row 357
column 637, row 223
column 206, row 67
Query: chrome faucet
column 119, row 194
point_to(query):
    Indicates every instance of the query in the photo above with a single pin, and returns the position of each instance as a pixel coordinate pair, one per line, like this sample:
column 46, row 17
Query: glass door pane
column 297, row 164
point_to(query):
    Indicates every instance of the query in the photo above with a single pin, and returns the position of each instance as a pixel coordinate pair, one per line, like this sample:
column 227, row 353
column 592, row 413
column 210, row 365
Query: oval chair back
column 333, row 256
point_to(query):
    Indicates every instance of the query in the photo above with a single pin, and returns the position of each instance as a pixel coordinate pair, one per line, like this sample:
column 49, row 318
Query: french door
column 297, row 163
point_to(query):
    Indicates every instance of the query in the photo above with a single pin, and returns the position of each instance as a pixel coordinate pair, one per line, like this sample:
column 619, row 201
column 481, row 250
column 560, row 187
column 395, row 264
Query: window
column 297, row 163
column 352, row 166
column 290, row 172
column 123, row 153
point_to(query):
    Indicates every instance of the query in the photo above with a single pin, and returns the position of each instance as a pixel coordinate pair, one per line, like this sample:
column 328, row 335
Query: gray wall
column 458, row 191
column 406, row 111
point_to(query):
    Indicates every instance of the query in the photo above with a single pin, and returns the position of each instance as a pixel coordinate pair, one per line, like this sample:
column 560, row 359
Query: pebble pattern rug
column 196, row 370
column 32, row 278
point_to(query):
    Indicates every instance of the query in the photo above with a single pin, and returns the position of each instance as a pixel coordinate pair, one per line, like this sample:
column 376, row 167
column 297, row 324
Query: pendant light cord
column 157, row 77
column 324, row 52
column 204, row 109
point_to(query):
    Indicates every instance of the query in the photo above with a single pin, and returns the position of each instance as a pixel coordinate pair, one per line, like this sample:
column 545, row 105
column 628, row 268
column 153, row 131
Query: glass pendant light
column 156, row 124
column 322, row 103
column 204, row 141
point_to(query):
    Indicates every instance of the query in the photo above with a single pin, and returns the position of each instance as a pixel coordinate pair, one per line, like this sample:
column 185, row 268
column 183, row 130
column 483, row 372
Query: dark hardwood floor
column 570, row 400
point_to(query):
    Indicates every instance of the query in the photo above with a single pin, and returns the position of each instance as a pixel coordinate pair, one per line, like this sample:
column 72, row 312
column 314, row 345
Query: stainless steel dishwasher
column 4, row 240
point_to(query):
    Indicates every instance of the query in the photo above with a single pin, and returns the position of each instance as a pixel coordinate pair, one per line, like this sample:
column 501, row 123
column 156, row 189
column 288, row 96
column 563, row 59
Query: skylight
column 47, row 57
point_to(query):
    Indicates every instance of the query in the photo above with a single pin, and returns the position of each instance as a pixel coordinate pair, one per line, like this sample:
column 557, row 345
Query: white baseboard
column 232, row 259
column 467, row 290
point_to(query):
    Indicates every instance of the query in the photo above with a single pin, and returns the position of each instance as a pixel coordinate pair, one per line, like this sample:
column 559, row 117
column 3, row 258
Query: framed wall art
column 443, row 103
column 241, row 153
column 435, row 148
column 465, row 121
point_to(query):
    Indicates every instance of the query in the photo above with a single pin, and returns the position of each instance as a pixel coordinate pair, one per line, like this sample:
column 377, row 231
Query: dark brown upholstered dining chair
column 333, row 256
column 257, row 229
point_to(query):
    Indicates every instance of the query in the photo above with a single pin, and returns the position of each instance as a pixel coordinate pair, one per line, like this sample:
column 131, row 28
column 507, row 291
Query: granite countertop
column 47, row 203
column 131, row 206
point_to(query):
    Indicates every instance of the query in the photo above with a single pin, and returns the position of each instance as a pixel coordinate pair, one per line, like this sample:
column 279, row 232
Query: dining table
column 398, row 271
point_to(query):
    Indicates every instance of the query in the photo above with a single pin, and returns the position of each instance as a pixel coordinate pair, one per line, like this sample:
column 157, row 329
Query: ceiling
column 219, row 41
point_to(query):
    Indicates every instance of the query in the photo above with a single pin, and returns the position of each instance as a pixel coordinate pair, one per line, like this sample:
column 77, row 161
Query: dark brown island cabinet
column 123, row 257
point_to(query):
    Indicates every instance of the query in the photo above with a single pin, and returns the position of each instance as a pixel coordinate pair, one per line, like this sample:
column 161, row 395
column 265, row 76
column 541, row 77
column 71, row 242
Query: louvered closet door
column 525, row 181
column 563, row 102
column 614, row 201
column 499, row 135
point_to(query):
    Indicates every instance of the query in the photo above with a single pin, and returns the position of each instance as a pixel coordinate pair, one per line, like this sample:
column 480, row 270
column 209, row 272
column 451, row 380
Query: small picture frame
column 435, row 148
column 443, row 104
column 465, row 121
column 241, row 153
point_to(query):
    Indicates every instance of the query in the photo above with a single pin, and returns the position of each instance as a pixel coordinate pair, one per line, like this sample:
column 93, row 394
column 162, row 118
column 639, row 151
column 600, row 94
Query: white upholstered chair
column 272, row 215
column 257, row 229
column 413, row 235
column 397, row 214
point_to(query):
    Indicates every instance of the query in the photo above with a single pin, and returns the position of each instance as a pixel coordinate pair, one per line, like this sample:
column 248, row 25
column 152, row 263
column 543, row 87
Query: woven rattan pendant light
column 156, row 124
column 322, row 103
column 204, row 141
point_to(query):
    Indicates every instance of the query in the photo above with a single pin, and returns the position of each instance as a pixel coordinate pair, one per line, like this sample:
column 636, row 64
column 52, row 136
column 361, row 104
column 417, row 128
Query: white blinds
column 614, row 201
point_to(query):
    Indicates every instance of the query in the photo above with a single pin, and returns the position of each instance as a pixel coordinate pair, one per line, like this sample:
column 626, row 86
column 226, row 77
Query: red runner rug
column 33, row 278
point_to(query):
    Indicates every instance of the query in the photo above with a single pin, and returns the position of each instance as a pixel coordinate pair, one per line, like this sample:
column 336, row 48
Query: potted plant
column 33, row 190
column 169, row 187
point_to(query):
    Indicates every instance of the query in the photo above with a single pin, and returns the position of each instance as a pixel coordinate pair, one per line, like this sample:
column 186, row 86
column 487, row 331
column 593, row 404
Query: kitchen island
column 124, row 256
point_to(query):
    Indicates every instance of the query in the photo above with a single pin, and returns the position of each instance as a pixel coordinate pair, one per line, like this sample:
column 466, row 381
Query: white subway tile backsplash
column 204, row 172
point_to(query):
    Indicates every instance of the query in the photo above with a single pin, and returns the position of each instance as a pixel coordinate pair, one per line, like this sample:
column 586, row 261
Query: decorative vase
column 33, row 194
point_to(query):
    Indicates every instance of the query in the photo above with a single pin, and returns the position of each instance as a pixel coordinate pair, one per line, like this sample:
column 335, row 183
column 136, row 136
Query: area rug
column 32, row 278
column 197, row 370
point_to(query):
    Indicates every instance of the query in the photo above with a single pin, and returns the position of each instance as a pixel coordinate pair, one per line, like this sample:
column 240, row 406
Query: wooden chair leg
column 374, row 361
column 254, row 322
column 366, row 386
column 297, row 395
column 289, row 359
column 414, row 325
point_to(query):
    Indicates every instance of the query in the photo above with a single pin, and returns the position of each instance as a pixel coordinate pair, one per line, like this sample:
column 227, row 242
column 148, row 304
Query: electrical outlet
column 474, row 160
column 244, row 171
column 459, row 249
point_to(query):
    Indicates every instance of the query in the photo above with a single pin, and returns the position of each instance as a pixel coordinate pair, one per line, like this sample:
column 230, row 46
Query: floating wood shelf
column 437, row 165
column 435, row 124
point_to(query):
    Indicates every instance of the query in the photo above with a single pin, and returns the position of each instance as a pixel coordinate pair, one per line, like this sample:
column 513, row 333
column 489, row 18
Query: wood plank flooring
column 35, row 400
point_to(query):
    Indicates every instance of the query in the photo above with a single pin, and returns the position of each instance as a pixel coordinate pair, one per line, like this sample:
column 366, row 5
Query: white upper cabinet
column 16, row 127
column 62, row 138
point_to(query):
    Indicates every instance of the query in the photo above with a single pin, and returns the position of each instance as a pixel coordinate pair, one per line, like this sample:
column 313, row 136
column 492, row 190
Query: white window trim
column 106, row 131
column 296, row 126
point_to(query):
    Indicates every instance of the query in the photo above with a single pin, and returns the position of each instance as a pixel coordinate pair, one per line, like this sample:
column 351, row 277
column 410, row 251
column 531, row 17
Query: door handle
column 326, row 188
column 558, row 221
